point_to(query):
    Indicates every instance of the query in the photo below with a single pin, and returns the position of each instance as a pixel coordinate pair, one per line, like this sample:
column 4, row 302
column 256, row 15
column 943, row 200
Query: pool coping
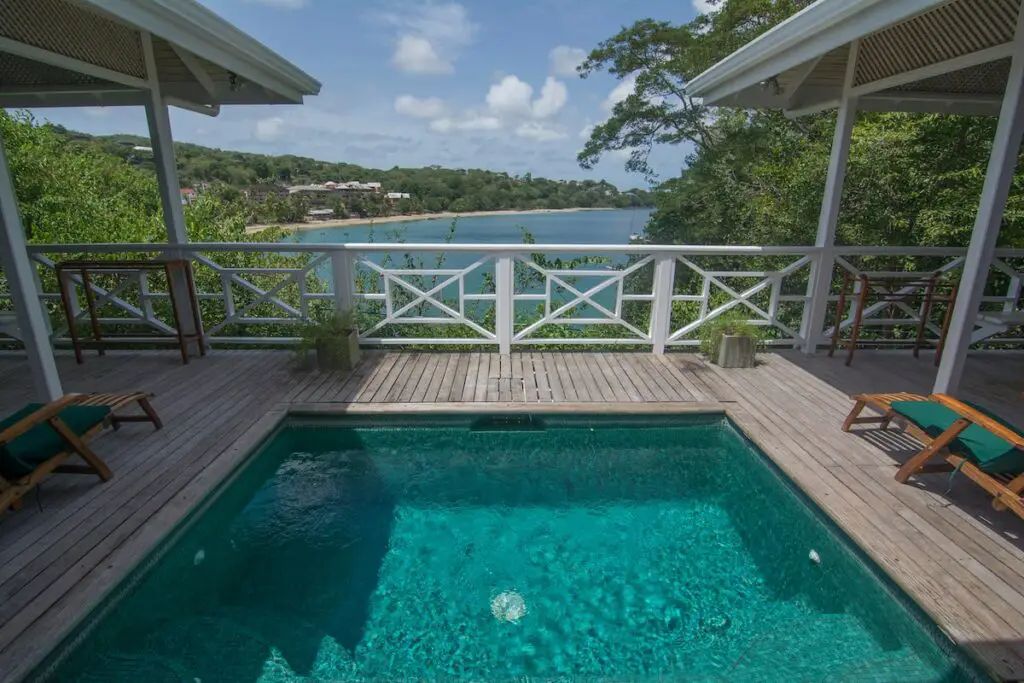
column 201, row 490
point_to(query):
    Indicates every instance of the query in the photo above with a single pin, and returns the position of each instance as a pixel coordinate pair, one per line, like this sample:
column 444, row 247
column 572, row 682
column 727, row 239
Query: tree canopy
column 756, row 177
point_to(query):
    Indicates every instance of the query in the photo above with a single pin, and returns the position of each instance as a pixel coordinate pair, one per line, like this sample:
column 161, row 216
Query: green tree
column 659, row 59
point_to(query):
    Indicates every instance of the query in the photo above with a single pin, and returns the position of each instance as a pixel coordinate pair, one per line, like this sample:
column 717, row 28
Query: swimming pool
column 483, row 548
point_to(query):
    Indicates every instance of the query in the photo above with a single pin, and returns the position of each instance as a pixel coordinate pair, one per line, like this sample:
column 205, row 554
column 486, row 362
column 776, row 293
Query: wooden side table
column 175, row 270
column 937, row 292
column 892, row 291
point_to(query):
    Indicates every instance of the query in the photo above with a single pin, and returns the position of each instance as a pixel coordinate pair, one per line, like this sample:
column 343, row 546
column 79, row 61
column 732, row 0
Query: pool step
column 222, row 645
column 118, row 667
column 808, row 650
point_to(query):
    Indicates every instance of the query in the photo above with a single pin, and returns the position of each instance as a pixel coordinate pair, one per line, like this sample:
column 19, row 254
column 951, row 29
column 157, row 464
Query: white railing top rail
column 689, row 249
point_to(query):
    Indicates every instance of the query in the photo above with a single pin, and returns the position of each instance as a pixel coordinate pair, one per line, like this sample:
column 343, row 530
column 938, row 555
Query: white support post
column 1013, row 292
column 228, row 295
column 342, row 273
column 160, row 138
column 820, row 284
column 661, row 306
column 159, row 120
column 21, row 281
column 145, row 302
column 504, row 301
column 1002, row 163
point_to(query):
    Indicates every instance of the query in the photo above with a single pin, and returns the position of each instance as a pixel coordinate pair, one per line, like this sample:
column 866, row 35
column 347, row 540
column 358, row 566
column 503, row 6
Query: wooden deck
column 961, row 560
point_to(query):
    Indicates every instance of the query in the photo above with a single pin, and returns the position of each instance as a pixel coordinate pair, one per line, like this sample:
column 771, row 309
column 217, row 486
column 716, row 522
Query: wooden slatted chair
column 971, row 440
column 37, row 440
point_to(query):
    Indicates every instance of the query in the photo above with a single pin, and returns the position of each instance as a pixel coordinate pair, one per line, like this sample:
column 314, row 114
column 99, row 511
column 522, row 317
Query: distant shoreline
column 350, row 222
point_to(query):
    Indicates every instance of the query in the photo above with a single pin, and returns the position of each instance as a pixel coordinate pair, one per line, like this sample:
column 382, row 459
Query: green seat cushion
column 24, row 453
column 986, row 450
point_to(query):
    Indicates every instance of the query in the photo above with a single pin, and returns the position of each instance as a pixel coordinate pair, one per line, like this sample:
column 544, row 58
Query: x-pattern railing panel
column 141, row 314
column 230, row 277
column 396, row 281
column 714, row 282
column 554, row 313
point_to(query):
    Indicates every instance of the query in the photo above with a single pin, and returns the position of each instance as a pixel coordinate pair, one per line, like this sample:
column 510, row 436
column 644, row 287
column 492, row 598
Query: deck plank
column 413, row 376
column 961, row 560
column 556, row 382
column 480, row 381
column 541, row 378
column 458, row 380
column 581, row 378
column 394, row 376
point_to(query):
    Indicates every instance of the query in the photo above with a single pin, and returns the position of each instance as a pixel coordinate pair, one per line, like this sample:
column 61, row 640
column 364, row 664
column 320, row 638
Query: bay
column 580, row 227
column 614, row 226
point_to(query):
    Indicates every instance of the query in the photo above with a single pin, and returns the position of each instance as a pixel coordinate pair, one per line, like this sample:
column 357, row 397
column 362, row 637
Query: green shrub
column 735, row 321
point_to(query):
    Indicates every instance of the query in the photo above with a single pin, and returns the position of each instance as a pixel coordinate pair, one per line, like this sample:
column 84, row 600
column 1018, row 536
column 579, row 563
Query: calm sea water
column 600, row 549
column 583, row 227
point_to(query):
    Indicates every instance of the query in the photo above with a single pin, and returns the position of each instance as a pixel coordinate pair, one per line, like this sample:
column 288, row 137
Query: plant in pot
column 730, row 340
column 333, row 337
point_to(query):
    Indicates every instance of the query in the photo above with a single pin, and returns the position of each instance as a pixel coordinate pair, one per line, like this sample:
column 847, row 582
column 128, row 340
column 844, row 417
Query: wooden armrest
column 980, row 419
column 45, row 413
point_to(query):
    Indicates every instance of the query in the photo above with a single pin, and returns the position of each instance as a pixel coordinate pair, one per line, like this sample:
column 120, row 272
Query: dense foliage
column 758, row 177
column 73, row 194
column 432, row 189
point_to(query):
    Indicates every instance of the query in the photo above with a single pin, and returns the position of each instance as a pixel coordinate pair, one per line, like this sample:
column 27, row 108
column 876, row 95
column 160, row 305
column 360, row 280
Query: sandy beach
column 345, row 222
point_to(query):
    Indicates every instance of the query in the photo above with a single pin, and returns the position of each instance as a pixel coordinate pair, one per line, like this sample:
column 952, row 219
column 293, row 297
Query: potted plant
column 334, row 338
column 730, row 340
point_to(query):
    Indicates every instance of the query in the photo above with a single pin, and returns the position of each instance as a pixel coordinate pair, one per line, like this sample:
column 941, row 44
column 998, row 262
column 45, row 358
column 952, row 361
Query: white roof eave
column 191, row 26
column 808, row 34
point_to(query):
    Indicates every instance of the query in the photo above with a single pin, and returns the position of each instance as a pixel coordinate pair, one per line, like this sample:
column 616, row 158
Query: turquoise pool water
column 560, row 548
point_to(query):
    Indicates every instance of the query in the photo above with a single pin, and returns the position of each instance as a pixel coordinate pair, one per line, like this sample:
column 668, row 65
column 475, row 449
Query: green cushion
column 977, row 444
column 23, row 454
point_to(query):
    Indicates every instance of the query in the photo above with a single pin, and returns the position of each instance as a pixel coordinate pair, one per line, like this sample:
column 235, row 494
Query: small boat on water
column 635, row 237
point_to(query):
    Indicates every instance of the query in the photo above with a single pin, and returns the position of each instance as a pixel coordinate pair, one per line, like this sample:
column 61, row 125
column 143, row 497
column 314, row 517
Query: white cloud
column 510, row 97
column 479, row 123
column 565, row 59
column 534, row 130
column 620, row 92
column 430, row 37
column 702, row 6
column 510, row 106
column 282, row 4
column 471, row 122
column 425, row 108
column 269, row 130
column 587, row 129
column 441, row 125
column 553, row 97
column 416, row 55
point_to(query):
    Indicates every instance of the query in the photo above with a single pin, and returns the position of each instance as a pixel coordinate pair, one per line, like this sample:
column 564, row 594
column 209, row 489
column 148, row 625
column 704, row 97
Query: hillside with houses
column 289, row 189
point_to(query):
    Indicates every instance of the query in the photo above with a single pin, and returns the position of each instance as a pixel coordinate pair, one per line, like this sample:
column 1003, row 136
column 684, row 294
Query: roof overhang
column 61, row 53
column 912, row 55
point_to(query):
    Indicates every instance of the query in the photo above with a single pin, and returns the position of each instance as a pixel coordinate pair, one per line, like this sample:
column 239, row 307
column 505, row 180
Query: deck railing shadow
column 333, row 386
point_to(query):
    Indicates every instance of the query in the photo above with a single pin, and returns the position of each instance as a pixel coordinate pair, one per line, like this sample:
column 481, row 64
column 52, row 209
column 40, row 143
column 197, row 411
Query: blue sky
column 477, row 83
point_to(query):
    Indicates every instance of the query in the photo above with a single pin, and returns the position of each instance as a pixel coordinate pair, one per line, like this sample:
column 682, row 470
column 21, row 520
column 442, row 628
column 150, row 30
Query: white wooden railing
column 502, row 295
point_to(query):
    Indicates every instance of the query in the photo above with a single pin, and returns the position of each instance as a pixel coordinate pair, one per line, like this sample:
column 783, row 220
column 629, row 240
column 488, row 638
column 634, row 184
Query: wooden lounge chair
column 972, row 441
column 36, row 440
